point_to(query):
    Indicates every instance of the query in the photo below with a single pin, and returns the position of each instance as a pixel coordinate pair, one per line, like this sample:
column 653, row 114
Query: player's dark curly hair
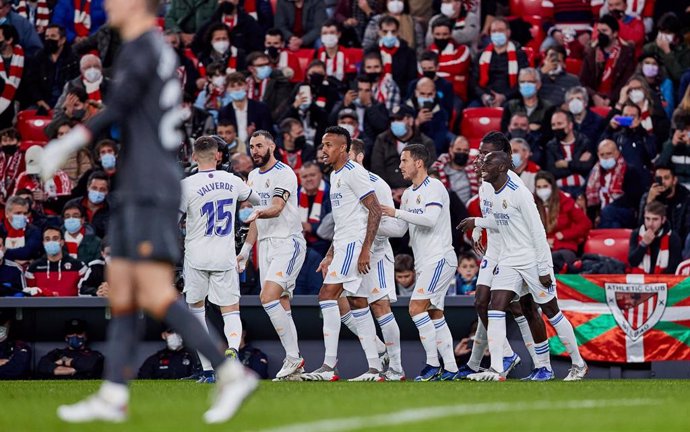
column 498, row 141
column 337, row 130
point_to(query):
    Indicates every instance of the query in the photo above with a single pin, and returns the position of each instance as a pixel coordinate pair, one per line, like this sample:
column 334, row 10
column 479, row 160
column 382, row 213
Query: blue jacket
column 33, row 246
column 64, row 15
column 28, row 38
column 12, row 281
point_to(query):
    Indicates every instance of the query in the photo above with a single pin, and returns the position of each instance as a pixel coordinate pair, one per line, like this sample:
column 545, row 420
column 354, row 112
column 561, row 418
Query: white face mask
column 329, row 40
column 218, row 82
column 221, row 46
column 3, row 333
column 395, row 6
column 349, row 128
column 448, row 9
column 92, row 74
column 544, row 193
column 576, row 106
column 174, row 341
column 636, row 96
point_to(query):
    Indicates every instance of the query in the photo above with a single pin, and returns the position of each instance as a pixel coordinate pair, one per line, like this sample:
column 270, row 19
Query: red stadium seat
column 31, row 127
column 354, row 58
column 573, row 66
column 476, row 122
column 529, row 52
column 527, row 7
column 602, row 111
column 612, row 243
column 305, row 56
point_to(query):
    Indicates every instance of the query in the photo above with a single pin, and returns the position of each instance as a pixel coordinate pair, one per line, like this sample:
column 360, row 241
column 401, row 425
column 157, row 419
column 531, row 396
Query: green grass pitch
column 621, row 405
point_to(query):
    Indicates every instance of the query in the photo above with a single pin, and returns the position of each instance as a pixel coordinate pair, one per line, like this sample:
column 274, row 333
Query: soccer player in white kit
column 356, row 214
column 282, row 247
column 425, row 211
column 209, row 199
column 525, row 259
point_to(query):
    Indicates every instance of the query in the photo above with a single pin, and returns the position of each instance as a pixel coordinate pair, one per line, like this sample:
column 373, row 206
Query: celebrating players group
column 515, row 275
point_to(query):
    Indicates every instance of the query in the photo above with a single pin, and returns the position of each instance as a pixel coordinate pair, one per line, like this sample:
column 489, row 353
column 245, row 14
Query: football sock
column 123, row 335
column 366, row 330
column 331, row 331
column 427, row 334
column 567, row 335
column 542, row 351
column 188, row 326
column 281, row 322
column 479, row 347
column 497, row 337
column 391, row 334
column 527, row 337
column 200, row 315
column 293, row 330
column 444, row 344
column 351, row 324
column 507, row 349
column 233, row 329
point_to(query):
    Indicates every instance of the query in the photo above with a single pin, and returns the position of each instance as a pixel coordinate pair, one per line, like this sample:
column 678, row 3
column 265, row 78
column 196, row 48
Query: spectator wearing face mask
column 538, row 111
column 631, row 26
column 454, row 59
column 281, row 58
column 76, row 108
column 519, row 128
column 218, row 48
column 93, row 282
column 652, row 115
column 266, row 84
column 670, row 47
column 555, row 80
column 338, row 65
column 660, row 85
column 348, row 120
column 407, row 28
column 397, row 57
column 245, row 31
column 456, row 172
column 22, row 239
column 76, row 360
column 11, row 162
column 429, row 65
column 384, row 88
column 635, row 143
column 49, row 195
column 81, row 241
column 523, row 166
column 105, row 156
column 215, row 94
column 431, row 119
column 294, row 150
column 299, row 21
column 90, row 78
column 465, row 20
column 247, row 115
column 585, row 121
column 12, row 283
column 172, row 362
column 94, row 202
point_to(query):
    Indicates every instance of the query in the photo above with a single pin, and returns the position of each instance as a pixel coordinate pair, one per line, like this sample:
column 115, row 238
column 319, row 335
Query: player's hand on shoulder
column 467, row 224
column 388, row 211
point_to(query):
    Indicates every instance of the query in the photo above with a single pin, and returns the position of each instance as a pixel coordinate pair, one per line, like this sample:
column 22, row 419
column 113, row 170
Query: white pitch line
column 422, row 414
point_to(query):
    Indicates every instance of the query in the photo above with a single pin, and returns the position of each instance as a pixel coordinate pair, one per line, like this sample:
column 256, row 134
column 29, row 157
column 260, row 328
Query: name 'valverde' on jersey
column 429, row 245
column 210, row 199
column 349, row 185
column 275, row 181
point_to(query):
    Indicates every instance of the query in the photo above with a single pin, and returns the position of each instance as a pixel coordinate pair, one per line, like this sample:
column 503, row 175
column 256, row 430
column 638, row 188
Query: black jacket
column 19, row 355
column 404, row 67
column 637, row 252
column 555, row 153
column 246, row 34
column 100, row 219
column 47, row 78
column 167, row 364
column 677, row 210
column 636, row 145
column 11, row 279
column 94, row 277
column 106, row 41
column 87, row 363
column 257, row 113
column 385, row 159
column 591, row 127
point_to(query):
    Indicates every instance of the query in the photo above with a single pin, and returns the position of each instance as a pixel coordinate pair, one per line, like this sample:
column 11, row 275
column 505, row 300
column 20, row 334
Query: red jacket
column 572, row 222
column 56, row 279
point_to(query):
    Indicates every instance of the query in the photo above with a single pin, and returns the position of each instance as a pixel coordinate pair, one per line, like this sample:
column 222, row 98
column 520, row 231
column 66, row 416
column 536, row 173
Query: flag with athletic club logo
column 626, row 318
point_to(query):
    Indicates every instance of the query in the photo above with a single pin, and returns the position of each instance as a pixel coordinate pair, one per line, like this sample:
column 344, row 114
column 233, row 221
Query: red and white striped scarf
column 606, row 84
column 605, row 187
column 315, row 215
column 661, row 259
column 292, row 159
column 440, row 165
column 82, row 17
column 335, row 67
column 42, row 12
column 93, row 90
column 72, row 241
column 9, row 170
column 572, row 179
column 646, row 118
column 231, row 64
column 230, row 21
column 13, row 79
column 485, row 63
column 380, row 89
column 15, row 238
column 256, row 91
column 387, row 56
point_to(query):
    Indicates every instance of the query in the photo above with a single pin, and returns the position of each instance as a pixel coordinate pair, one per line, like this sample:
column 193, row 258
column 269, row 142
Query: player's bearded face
column 261, row 159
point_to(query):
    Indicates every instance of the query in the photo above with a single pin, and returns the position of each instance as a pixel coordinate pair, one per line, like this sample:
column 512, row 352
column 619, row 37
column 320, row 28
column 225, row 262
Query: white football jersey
column 514, row 214
column 493, row 238
column 384, row 194
column 349, row 185
column 209, row 198
column 279, row 180
column 429, row 245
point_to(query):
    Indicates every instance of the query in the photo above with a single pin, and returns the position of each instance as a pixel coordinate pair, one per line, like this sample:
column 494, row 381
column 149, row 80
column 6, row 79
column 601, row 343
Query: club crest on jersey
column 419, row 199
column 268, row 183
column 505, row 204
column 636, row 307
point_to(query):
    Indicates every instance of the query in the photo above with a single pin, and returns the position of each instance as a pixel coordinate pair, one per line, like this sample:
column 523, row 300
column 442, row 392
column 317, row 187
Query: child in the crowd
column 466, row 279
column 405, row 277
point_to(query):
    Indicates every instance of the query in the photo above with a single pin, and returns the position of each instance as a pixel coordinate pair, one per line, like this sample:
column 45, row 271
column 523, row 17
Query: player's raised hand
column 467, row 224
column 364, row 260
column 545, row 281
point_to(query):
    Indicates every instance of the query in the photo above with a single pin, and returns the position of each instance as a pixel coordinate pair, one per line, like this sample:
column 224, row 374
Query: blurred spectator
column 555, row 79
column 569, row 155
column 385, row 158
column 632, row 138
column 51, row 68
column 106, row 41
column 355, row 14
column 76, row 360
column 80, row 19
column 36, row 12
column 431, row 118
column 454, row 60
column 429, row 65
column 242, row 164
column 538, row 110
column 267, row 85
column 609, row 61
column 384, row 87
column 332, row 54
column 214, row 96
column 55, row 274
column 50, row 195
column 658, row 81
column 11, row 162
column 522, row 165
column 106, row 154
column 81, row 241
column 25, row 33
column 314, row 204
column 397, row 59
column 348, row 120
column 79, row 162
column 247, row 115
column 405, row 277
column 456, row 172
column 466, row 277
column 407, row 28
column 655, row 248
column 187, row 71
column 195, row 121
column 299, row 21
column 519, row 128
column 22, row 240
column 217, row 48
column 228, row 131
column 244, row 31
column 75, row 108
column 15, row 355
column 614, row 188
column 95, row 202
column 676, row 151
column 465, row 19
column 188, row 16
column 631, row 26
column 670, row 47
column 495, row 73
column 282, row 59
column 12, row 283
column 572, row 23
column 586, row 121
column 172, row 362
column 93, row 282
column 294, row 151
column 251, row 357
column 653, row 117
column 675, row 197
column 12, row 63
column 90, row 78
column 566, row 224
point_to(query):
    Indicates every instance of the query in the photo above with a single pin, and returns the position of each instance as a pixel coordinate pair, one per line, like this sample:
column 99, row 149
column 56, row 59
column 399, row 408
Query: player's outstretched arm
column 274, row 210
column 391, row 227
column 428, row 219
column 249, row 241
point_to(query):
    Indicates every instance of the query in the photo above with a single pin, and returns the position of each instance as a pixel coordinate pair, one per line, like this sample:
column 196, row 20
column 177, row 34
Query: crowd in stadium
column 593, row 94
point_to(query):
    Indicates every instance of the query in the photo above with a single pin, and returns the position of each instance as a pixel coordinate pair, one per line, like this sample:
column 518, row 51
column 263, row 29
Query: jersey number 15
column 218, row 217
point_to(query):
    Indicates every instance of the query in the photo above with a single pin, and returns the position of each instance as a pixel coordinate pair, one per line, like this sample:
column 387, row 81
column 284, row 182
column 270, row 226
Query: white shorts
column 343, row 269
column 221, row 287
column 486, row 272
column 280, row 261
column 380, row 281
column 433, row 281
column 523, row 282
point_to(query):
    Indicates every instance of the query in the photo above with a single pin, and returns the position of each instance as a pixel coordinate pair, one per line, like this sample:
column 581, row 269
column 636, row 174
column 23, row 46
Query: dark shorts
column 145, row 232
